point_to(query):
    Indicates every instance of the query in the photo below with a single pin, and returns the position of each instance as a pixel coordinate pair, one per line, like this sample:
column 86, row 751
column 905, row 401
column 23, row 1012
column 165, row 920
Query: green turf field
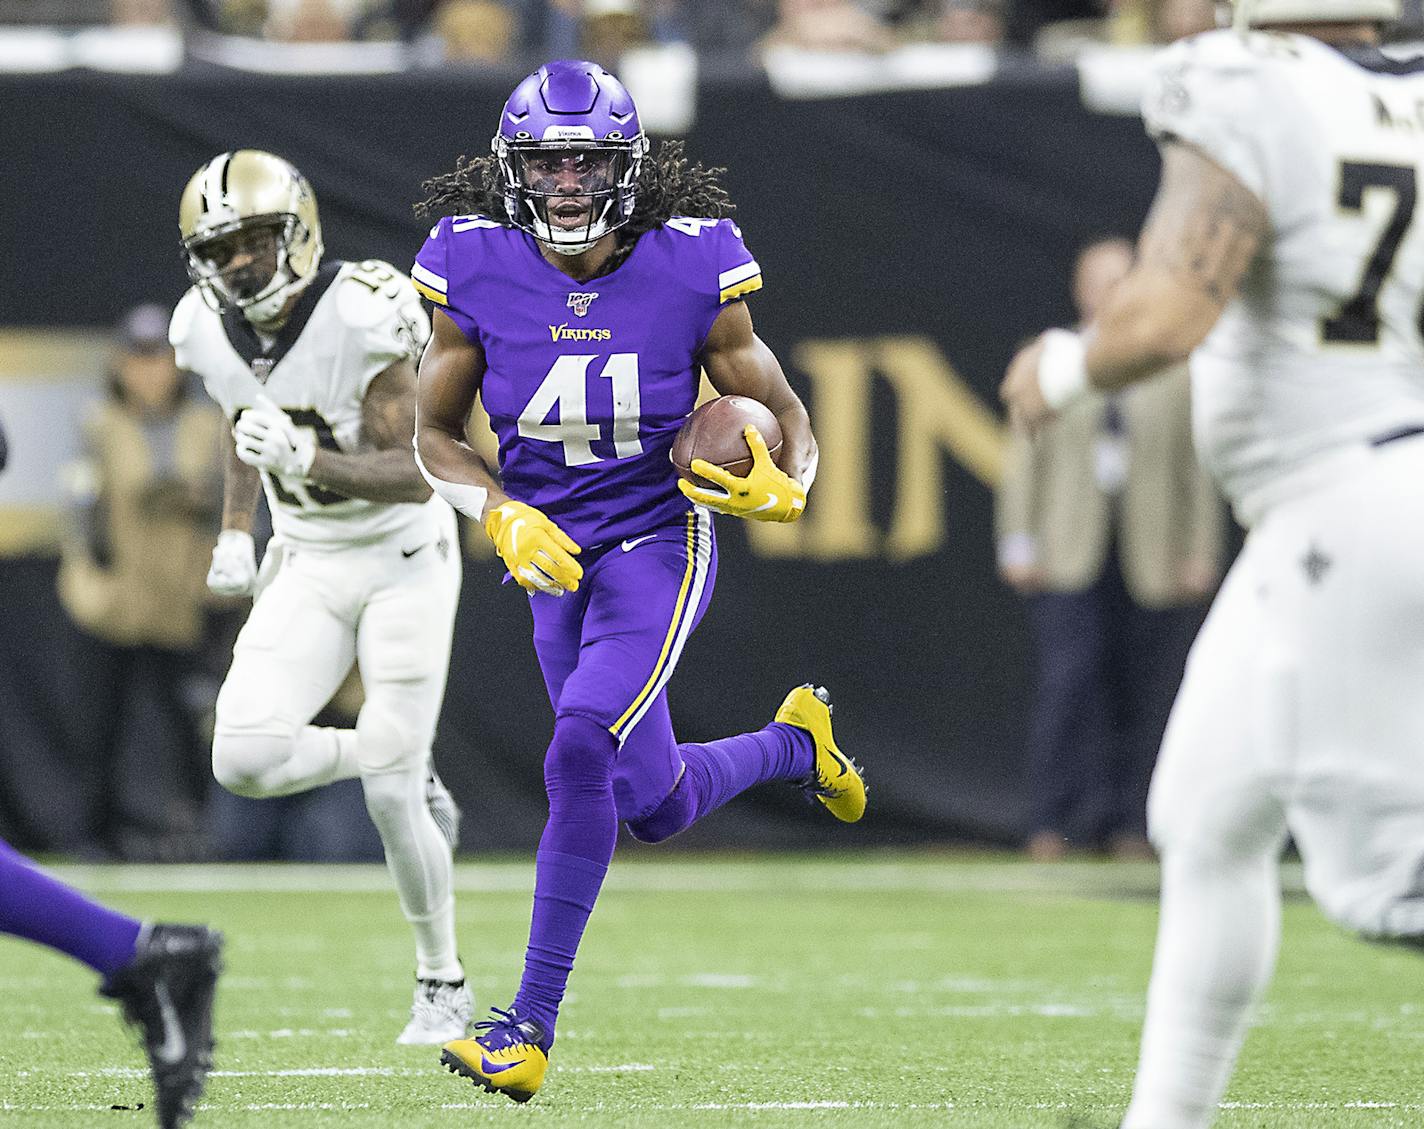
column 898, row 990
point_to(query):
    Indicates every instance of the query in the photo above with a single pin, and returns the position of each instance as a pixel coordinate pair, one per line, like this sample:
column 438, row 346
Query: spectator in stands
column 476, row 31
column 144, row 508
column 1125, row 23
column 141, row 13
column 971, row 21
column 309, row 21
column 1027, row 18
column 1172, row 20
column 603, row 30
column 609, row 28
column 231, row 17
column 730, row 32
column 1112, row 532
column 828, row 25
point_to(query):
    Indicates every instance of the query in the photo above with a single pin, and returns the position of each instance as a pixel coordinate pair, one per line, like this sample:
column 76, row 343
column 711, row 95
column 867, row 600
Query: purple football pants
column 607, row 653
column 40, row 908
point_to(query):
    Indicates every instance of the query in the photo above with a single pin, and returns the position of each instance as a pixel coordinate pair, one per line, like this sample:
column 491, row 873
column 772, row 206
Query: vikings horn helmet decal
column 569, row 148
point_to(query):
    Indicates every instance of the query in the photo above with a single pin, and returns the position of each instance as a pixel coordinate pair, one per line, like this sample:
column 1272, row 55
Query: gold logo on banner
column 937, row 414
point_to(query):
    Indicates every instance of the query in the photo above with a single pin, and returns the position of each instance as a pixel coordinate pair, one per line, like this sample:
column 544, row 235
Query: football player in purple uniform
column 163, row 976
column 580, row 299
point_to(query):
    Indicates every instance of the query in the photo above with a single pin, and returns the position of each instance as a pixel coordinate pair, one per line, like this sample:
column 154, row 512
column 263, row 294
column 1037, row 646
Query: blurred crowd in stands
column 517, row 31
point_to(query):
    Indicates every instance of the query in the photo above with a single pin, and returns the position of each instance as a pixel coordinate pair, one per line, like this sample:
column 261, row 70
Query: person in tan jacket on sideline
column 143, row 510
column 1113, row 533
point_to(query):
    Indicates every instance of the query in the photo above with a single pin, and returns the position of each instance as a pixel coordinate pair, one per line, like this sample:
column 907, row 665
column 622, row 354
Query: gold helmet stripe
column 215, row 182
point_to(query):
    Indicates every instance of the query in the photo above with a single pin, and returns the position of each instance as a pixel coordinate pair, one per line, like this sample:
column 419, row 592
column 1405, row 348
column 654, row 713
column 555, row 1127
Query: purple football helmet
column 569, row 148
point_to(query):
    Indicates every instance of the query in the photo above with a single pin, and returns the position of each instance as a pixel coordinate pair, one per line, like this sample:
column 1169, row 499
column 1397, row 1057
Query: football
column 714, row 432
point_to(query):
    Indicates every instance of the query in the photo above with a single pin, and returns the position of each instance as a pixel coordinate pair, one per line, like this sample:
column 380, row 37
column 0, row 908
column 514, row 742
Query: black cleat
column 166, row 991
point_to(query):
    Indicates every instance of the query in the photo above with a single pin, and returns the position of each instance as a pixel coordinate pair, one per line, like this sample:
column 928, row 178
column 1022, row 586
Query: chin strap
column 267, row 307
column 569, row 249
column 546, row 237
column 260, row 313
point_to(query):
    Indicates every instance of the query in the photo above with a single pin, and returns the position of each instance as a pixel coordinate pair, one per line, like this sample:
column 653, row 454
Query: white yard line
column 1284, row 1107
column 324, row 1072
column 677, row 876
column 622, row 1068
column 1294, row 1106
column 785, row 1105
column 11, row 1107
column 301, row 1072
column 293, row 1106
column 342, row 1071
column 291, row 1033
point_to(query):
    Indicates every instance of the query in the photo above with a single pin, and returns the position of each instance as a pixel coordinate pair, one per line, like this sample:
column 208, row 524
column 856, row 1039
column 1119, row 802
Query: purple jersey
column 588, row 383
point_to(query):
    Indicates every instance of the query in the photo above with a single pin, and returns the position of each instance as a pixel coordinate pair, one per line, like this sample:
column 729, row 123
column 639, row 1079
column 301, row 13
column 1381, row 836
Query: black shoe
column 167, row 992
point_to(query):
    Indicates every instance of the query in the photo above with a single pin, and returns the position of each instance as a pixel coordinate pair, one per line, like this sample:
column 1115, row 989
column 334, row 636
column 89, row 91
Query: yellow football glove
column 767, row 493
column 538, row 554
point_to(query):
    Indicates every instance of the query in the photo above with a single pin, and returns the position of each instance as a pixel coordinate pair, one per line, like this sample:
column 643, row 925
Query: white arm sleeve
column 469, row 500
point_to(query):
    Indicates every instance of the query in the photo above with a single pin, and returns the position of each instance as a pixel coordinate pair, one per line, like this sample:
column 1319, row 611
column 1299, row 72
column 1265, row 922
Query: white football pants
column 1301, row 712
column 390, row 607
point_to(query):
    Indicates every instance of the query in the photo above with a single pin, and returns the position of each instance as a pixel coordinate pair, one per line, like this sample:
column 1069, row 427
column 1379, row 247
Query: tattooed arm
column 384, row 469
column 1200, row 237
column 1202, row 234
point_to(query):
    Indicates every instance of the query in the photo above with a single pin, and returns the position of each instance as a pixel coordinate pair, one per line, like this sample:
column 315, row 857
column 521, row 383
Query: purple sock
column 40, row 908
column 719, row 770
column 574, row 853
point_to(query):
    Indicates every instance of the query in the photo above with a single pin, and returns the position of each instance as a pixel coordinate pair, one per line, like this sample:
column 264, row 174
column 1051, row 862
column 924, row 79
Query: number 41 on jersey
column 563, row 394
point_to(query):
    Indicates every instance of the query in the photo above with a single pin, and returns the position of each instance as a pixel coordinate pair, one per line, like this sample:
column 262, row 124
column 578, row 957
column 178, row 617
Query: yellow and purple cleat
column 836, row 780
column 509, row 1058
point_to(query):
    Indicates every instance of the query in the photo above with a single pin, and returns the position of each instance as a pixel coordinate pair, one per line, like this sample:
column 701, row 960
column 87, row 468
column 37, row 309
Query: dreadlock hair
column 668, row 185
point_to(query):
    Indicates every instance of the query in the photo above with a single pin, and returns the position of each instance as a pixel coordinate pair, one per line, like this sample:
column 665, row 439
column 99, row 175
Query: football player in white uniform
column 1285, row 255
column 314, row 361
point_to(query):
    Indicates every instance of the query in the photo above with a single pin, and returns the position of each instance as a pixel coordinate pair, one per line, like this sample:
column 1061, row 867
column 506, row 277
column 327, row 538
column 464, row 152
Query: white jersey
column 1321, row 352
column 351, row 323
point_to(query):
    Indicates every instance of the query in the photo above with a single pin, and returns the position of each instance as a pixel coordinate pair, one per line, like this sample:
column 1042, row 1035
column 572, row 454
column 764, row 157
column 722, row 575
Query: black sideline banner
column 909, row 242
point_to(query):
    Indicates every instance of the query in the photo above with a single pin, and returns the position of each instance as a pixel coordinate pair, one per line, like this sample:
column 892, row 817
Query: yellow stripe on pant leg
column 672, row 627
